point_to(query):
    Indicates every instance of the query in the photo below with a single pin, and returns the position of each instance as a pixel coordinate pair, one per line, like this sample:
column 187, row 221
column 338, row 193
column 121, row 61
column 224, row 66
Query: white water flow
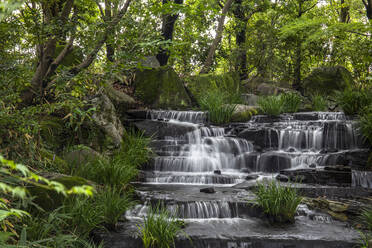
column 205, row 156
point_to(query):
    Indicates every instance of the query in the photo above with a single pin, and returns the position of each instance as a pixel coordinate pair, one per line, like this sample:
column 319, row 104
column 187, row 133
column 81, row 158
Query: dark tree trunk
column 344, row 13
column 368, row 5
column 110, row 50
column 167, row 33
column 241, row 28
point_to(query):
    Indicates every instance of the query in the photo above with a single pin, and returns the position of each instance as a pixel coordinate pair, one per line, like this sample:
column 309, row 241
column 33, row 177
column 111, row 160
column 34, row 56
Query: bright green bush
column 159, row 228
column 291, row 102
column 353, row 100
column 271, row 105
column 278, row 202
column 217, row 103
column 318, row 103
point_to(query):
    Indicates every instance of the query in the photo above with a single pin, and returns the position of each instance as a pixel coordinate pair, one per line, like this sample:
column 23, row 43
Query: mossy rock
column 81, row 155
column 161, row 88
column 227, row 82
column 57, row 162
column 325, row 80
column 243, row 113
column 50, row 199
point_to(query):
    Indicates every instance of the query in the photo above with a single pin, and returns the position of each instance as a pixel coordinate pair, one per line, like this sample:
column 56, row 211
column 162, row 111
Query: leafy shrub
column 291, row 102
column 365, row 124
column 278, row 202
column 319, row 103
column 271, row 105
column 106, row 208
column 159, row 228
column 120, row 170
column 220, row 109
column 352, row 100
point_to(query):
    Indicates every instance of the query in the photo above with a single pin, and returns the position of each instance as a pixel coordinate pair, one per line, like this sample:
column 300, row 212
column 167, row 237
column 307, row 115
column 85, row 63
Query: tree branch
column 310, row 8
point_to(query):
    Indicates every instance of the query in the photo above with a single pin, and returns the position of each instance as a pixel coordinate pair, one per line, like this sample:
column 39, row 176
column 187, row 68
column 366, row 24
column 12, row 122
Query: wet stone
column 217, row 172
column 209, row 190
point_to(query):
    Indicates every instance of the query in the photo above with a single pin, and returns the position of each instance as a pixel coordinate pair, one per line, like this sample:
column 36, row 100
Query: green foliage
column 13, row 177
column 353, row 100
column 122, row 168
column 318, row 103
column 291, row 102
column 366, row 218
column 106, row 208
column 365, row 239
column 278, row 202
column 271, row 105
column 159, row 229
column 216, row 103
column 365, row 123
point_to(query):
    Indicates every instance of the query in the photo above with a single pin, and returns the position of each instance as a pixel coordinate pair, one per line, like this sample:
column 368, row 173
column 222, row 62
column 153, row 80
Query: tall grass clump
column 291, row 102
column 159, row 229
column 123, row 167
column 271, row 105
column 365, row 124
column 219, row 106
column 366, row 218
column 318, row 103
column 354, row 100
column 278, row 202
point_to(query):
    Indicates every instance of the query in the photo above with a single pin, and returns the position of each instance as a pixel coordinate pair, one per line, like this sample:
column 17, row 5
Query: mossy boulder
column 81, row 155
column 243, row 113
column 53, row 132
column 50, row 199
column 121, row 101
column 325, row 80
column 161, row 88
column 227, row 82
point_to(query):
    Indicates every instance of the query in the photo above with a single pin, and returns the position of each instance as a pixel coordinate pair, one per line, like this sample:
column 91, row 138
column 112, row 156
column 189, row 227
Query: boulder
column 161, row 88
column 121, row 101
column 266, row 89
column 264, row 138
column 273, row 162
column 150, row 62
column 163, row 129
column 282, row 178
column 243, row 113
column 325, row 80
column 81, row 155
column 250, row 99
column 106, row 119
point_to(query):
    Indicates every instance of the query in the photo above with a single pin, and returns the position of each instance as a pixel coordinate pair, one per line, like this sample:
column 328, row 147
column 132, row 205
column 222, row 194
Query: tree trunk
column 298, row 55
column 344, row 13
column 167, row 33
column 368, row 5
column 241, row 27
column 208, row 62
column 110, row 50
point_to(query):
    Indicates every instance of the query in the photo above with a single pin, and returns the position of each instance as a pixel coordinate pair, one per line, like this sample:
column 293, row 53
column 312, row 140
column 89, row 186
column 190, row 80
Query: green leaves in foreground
column 159, row 228
column 278, row 202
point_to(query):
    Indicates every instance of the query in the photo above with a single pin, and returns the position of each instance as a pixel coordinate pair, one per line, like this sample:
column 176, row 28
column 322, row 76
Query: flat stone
column 282, row 178
column 251, row 177
column 209, row 190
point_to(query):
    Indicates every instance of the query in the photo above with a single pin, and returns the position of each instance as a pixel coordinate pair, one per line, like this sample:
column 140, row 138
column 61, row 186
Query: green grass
column 220, row 106
column 291, row 102
column 319, row 103
column 278, row 202
column 159, row 228
column 123, row 167
column 271, row 105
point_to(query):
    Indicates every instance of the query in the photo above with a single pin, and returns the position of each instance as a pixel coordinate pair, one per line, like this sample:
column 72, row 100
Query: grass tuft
column 159, row 229
column 271, row 105
column 219, row 106
column 278, row 202
column 291, row 102
column 319, row 103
